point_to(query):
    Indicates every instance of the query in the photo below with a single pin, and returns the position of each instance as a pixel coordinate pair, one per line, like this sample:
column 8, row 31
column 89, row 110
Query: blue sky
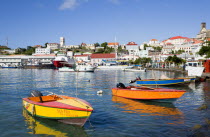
column 35, row 22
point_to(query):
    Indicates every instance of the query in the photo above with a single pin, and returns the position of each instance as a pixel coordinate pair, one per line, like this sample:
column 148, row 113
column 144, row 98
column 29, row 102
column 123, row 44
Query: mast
column 115, row 39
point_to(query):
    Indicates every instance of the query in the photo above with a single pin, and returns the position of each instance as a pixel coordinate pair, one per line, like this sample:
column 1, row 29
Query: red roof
column 131, row 43
column 113, row 43
column 195, row 41
column 112, row 55
column 153, row 40
column 37, row 46
column 164, row 40
column 81, row 55
column 178, row 37
column 83, row 44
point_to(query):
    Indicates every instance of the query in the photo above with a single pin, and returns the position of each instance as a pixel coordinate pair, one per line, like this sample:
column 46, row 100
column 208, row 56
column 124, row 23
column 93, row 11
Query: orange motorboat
column 147, row 93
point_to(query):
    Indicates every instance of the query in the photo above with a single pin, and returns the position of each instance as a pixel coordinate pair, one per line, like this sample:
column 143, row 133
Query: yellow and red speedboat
column 147, row 93
column 69, row 110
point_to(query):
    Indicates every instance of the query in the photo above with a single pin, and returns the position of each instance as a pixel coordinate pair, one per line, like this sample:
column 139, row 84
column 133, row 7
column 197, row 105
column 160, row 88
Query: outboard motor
column 120, row 85
column 36, row 93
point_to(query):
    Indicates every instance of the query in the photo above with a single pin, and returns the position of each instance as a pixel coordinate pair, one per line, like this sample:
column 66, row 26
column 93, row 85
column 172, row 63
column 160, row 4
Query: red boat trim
column 147, row 98
column 56, row 104
column 151, row 90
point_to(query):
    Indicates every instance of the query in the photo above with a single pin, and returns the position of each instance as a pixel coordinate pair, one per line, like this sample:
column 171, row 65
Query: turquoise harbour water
column 112, row 116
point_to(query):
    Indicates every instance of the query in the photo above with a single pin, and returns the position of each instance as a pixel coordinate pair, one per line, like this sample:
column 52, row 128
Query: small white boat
column 137, row 69
column 81, row 67
column 66, row 69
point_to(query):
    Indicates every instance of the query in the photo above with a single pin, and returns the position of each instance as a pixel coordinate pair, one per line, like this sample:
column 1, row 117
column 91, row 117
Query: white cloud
column 69, row 4
column 72, row 4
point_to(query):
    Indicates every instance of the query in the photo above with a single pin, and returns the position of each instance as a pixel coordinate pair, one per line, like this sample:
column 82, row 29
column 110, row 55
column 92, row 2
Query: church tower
column 203, row 25
column 62, row 41
column 204, row 33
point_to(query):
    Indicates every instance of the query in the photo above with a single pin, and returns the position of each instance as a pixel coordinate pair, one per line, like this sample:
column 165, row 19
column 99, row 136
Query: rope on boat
column 90, row 123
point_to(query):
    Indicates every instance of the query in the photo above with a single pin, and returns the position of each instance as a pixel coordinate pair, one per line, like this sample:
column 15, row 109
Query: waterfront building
column 98, row 59
column 43, row 59
column 84, row 57
column 11, row 60
column 204, row 33
column 21, row 60
column 41, row 50
column 53, row 46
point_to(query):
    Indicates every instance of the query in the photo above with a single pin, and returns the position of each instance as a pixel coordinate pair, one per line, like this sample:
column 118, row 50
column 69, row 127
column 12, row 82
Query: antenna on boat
column 154, row 78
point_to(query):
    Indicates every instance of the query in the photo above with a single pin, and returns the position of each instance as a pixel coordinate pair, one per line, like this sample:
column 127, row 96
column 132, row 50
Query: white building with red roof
column 154, row 42
column 132, row 48
column 84, row 57
column 114, row 45
column 98, row 58
column 177, row 40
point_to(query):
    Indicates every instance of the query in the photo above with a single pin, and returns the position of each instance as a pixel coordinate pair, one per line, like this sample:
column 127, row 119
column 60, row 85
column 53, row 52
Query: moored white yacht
column 84, row 67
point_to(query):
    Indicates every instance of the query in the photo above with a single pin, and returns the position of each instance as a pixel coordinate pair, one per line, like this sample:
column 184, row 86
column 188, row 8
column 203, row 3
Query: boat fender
column 120, row 85
column 100, row 92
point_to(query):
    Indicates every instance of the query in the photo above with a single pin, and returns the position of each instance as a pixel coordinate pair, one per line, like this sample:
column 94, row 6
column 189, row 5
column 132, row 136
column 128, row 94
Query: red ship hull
column 58, row 64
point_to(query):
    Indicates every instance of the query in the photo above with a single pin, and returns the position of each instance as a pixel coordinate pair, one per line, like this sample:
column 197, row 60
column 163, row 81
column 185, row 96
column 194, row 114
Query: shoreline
column 177, row 70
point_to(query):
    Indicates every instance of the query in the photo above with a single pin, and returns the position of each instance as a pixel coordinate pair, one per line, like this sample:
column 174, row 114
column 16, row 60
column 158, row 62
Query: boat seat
column 44, row 98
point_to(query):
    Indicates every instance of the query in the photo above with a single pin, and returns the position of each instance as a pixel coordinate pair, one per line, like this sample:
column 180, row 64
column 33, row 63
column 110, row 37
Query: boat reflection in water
column 41, row 126
column 150, row 108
